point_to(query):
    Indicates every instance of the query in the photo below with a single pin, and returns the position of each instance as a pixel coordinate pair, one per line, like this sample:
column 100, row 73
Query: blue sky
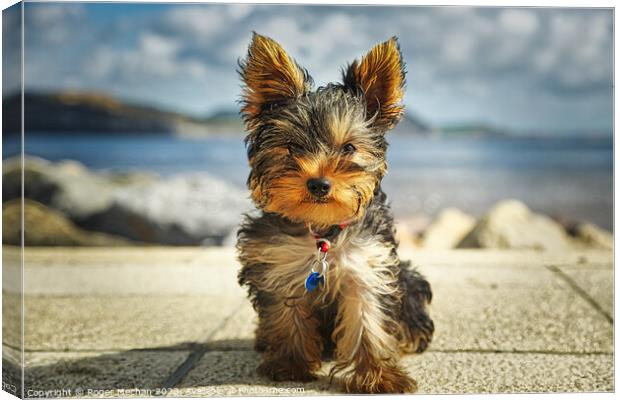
column 530, row 70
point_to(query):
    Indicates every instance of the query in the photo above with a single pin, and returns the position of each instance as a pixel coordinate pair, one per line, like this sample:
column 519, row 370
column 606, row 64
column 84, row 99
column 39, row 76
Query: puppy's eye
column 348, row 148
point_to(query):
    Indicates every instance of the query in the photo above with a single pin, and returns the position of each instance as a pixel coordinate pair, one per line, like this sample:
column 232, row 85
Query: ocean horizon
column 566, row 178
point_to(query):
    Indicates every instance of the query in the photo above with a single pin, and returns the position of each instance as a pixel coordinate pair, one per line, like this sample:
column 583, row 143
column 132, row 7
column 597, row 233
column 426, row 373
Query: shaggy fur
column 373, row 306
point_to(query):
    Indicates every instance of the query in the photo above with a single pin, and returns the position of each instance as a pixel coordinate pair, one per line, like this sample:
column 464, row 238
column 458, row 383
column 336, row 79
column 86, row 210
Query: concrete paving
column 172, row 321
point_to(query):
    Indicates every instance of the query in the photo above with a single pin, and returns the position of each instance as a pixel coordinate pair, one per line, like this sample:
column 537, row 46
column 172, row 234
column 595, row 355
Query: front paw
column 385, row 380
column 278, row 370
column 416, row 338
column 424, row 334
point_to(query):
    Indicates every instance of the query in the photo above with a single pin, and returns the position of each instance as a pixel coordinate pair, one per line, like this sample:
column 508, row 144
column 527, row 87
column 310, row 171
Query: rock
column 510, row 224
column 448, row 229
column 409, row 230
column 187, row 209
column 66, row 186
column 594, row 236
column 46, row 227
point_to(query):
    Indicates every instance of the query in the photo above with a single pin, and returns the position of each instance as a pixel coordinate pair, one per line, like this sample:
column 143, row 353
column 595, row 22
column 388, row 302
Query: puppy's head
column 317, row 156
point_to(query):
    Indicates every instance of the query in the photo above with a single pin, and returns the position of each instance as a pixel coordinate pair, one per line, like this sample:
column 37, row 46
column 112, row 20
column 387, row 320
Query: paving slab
column 11, row 370
column 126, row 271
column 98, row 374
column 506, row 321
column 513, row 319
column 56, row 323
column 92, row 271
column 598, row 283
column 492, row 307
column 531, row 258
column 11, row 319
column 238, row 330
column 521, row 305
column 11, row 312
column 233, row 373
column 453, row 373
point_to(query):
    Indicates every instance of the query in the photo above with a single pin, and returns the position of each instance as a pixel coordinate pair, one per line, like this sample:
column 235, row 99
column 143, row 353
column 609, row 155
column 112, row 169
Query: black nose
column 318, row 186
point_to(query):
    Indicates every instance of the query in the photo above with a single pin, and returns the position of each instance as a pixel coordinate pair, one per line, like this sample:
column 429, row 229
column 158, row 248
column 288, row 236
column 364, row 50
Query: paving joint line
column 581, row 292
column 195, row 356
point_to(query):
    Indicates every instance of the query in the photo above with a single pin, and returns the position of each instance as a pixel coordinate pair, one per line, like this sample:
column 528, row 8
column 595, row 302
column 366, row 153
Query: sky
column 529, row 70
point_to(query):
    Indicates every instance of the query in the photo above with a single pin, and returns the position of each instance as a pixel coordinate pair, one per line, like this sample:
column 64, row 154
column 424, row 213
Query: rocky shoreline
column 69, row 205
column 509, row 224
column 142, row 208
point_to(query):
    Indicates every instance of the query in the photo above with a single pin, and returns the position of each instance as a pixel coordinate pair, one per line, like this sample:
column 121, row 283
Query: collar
column 323, row 243
column 323, row 240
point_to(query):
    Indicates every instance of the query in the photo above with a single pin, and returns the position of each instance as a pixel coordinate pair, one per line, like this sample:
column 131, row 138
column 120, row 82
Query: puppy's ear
column 380, row 78
column 270, row 77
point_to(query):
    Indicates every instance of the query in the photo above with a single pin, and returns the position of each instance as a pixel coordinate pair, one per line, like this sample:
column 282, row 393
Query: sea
column 567, row 178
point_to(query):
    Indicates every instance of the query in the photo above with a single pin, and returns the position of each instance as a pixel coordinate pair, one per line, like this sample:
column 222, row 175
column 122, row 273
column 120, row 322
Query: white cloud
column 154, row 56
column 204, row 22
column 518, row 21
column 59, row 21
column 196, row 21
column 47, row 15
column 323, row 47
column 455, row 55
column 239, row 11
column 11, row 50
column 458, row 49
column 158, row 45
column 577, row 53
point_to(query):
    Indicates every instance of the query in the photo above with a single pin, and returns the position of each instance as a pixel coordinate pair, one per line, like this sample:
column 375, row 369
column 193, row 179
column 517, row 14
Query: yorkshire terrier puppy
column 320, row 260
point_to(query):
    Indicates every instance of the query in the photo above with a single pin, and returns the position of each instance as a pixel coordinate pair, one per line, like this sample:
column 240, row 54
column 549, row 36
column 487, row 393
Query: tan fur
column 297, row 354
column 347, row 126
column 380, row 76
column 371, row 306
column 358, row 274
column 363, row 260
column 269, row 76
column 289, row 196
column 364, row 335
column 350, row 127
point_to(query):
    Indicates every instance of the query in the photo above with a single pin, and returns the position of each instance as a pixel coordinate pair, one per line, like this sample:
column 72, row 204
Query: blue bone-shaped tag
column 313, row 281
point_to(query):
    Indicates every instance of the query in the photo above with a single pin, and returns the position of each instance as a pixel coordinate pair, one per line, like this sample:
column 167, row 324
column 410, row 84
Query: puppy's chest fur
column 354, row 256
column 278, row 256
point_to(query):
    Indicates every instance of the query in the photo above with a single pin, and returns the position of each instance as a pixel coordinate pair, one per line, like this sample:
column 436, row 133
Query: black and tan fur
column 373, row 307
